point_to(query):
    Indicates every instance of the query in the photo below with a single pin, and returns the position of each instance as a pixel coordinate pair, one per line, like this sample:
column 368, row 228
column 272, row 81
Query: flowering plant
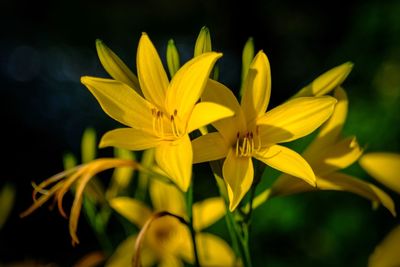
column 187, row 117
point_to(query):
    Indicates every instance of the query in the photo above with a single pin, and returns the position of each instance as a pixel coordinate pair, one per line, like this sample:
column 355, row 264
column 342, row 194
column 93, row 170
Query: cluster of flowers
column 187, row 117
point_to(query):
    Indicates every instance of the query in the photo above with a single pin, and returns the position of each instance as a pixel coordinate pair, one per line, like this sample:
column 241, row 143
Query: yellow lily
column 168, row 241
column 166, row 114
column 254, row 133
column 385, row 168
column 328, row 154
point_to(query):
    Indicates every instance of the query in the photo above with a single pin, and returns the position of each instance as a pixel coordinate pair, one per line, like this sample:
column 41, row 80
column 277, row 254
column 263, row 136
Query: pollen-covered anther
column 158, row 124
column 245, row 146
column 174, row 126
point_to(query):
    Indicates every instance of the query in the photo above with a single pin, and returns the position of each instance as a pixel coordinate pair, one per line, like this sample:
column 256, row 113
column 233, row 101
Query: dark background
column 45, row 46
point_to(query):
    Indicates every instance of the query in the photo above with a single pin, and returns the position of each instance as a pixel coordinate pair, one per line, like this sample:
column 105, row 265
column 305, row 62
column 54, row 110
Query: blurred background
column 45, row 46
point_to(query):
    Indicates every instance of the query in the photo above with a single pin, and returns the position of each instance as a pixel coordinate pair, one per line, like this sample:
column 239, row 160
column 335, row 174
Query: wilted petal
column 135, row 211
column 152, row 77
column 211, row 146
column 205, row 113
column 384, row 167
column 238, row 174
column 229, row 127
column 386, row 254
column 116, row 67
column 327, row 81
column 299, row 117
column 188, row 84
column 176, row 159
column 207, row 212
column 129, row 138
column 121, row 103
column 257, row 88
column 287, row 161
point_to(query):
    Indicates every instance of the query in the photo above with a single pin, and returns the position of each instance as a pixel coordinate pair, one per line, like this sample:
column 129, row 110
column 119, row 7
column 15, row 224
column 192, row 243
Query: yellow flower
column 168, row 241
column 166, row 114
column 254, row 133
column 328, row 154
column 384, row 167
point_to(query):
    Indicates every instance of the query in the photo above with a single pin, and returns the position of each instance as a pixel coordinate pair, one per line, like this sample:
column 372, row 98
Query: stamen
column 175, row 113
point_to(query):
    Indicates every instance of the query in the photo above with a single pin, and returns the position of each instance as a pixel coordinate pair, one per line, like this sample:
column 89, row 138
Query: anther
column 175, row 113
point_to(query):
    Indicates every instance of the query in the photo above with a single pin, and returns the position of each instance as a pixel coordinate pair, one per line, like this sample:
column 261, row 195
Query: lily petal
column 175, row 159
column 344, row 182
column 207, row 212
column 133, row 210
column 121, row 103
column 209, row 147
column 166, row 197
column 214, row 251
column 188, row 84
column 330, row 131
column 288, row 185
column 218, row 93
column 116, row 67
column 124, row 253
column 287, row 161
column 257, row 88
column 169, row 260
column 129, row 138
column 299, row 117
column 152, row 77
column 384, row 167
column 386, row 254
column 327, row 81
column 336, row 157
column 238, row 174
column 205, row 113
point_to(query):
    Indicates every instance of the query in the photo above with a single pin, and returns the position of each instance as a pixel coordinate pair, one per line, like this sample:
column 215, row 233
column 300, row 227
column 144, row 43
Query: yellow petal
column 152, row 77
column 257, row 88
column 116, row 67
column 209, row 147
column 121, row 103
column 229, row 127
column 207, row 212
column 133, row 210
column 330, row 131
column 287, row 161
column 166, row 197
column 295, row 118
column 344, row 182
column 386, row 254
column 238, row 174
column 205, row 113
column 169, row 260
column 175, row 158
column 384, row 167
column 188, row 84
column 129, row 138
column 214, row 251
column 288, row 185
column 124, row 253
column 327, row 81
column 336, row 157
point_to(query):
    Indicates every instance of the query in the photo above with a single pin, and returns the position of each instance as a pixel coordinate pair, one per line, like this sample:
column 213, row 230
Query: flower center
column 247, row 144
column 164, row 125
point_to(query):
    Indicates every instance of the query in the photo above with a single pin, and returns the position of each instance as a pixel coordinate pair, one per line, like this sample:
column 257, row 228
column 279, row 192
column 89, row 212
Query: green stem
column 189, row 207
